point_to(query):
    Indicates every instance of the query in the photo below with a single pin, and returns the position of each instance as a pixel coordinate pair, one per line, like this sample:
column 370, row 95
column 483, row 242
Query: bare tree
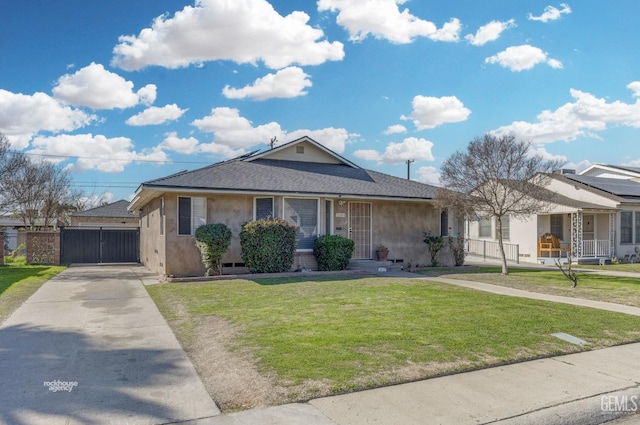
column 38, row 192
column 496, row 176
column 10, row 162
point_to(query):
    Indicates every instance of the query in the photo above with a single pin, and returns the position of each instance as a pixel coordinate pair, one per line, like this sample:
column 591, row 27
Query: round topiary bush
column 268, row 246
column 212, row 240
column 333, row 252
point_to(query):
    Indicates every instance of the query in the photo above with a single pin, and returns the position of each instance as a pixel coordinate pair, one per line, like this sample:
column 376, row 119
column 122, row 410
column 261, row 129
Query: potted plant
column 382, row 252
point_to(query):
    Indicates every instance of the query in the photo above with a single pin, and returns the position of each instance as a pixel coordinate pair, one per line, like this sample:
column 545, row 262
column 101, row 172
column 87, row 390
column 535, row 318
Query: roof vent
column 299, row 149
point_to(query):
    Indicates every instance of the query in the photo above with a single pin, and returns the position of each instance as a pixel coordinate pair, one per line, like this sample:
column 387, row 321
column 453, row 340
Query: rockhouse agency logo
column 622, row 403
column 57, row 385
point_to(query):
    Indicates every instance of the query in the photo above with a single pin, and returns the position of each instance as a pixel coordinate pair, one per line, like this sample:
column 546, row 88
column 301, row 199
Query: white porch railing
column 596, row 248
column 491, row 249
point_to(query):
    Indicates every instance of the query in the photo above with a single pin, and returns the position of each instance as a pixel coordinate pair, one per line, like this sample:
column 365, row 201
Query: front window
column 556, row 226
column 192, row 213
column 626, row 227
column 638, row 227
column 303, row 213
column 506, row 228
column 263, row 208
column 484, row 228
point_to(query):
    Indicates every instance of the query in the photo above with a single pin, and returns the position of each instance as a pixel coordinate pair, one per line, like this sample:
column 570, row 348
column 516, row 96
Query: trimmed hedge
column 212, row 240
column 268, row 246
column 333, row 252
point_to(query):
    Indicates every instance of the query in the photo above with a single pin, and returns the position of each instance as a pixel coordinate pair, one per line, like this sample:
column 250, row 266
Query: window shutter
column 199, row 212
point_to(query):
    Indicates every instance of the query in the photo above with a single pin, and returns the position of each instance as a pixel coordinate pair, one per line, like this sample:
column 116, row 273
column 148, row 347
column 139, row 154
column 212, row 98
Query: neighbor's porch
column 584, row 236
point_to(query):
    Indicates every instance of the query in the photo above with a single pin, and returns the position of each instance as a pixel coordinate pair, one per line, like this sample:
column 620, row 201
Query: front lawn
column 615, row 289
column 313, row 337
column 19, row 282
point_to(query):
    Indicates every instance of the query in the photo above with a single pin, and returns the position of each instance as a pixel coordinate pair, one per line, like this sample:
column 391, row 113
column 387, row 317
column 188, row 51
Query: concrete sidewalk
column 90, row 347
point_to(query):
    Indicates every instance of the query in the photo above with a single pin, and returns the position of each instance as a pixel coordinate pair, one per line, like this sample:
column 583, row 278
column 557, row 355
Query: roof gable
column 611, row 171
column 304, row 149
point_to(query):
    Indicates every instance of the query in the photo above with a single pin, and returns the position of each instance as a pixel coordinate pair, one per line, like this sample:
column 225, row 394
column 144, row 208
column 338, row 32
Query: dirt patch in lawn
column 230, row 375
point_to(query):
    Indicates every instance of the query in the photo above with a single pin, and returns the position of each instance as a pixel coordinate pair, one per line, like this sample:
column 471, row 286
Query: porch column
column 576, row 234
column 612, row 234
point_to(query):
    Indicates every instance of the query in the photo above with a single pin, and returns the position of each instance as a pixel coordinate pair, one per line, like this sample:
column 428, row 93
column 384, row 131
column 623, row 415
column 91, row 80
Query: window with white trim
column 263, row 208
column 328, row 217
column 484, row 228
column 637, row 227
column 557, row 222
column 506, row 228
column 626, row 227
column 303, row 213
column 162, row 216
column 192, row 213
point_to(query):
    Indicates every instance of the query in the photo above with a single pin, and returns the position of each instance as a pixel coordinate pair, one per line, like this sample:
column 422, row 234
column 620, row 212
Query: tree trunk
column 503, row 256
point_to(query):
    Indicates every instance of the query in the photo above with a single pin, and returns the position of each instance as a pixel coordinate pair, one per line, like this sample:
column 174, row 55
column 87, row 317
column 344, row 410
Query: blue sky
column 123, row 91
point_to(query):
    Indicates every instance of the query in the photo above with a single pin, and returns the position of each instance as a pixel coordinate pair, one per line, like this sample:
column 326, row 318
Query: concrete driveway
column 90, row 347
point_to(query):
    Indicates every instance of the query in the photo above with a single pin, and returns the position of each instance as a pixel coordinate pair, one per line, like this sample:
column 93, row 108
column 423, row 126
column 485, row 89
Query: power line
column 48, row 155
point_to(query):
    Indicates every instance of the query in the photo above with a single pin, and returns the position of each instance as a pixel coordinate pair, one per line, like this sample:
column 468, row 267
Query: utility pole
column 409, row 161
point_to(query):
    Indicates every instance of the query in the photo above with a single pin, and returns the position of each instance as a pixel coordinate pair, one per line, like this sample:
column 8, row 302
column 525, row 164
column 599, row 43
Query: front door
column 360, row 229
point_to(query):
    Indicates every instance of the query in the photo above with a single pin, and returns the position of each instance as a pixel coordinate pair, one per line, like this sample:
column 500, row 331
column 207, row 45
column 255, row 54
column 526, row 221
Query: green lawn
column 630, row 267
column 621, row 290
column 19, row 282
column 356, row 333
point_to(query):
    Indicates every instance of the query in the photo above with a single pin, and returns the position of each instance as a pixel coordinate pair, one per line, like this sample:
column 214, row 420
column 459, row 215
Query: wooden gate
column 99, row 245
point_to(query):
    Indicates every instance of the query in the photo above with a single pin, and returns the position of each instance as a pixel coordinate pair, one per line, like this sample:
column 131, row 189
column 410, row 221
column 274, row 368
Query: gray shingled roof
column 280, row 176
column 115, row 209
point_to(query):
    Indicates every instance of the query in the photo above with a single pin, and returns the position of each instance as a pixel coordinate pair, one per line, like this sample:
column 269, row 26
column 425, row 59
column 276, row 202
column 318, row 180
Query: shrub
column 435, row 244
column 212, row 240
column 333, row 252
column 456, row 245
column 268, row 246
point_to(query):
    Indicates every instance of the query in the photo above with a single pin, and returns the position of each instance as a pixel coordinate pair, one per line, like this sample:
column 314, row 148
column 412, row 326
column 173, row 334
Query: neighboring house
column 302, row 182
column 111, row 215
column 15, row 230
column 594, row 215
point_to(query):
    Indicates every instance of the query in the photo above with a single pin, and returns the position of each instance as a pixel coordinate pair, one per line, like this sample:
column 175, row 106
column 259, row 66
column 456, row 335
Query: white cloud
column 542, row 152
column 551, row 13
column 155, row 115
column 519, row 58
column 242, row 31
column 635, row 87
column 489, row 32
column 174, row 143
column 583, row 117
column 384, row 20
column 430, row 112
column 97, row 88
column 286, row 83
column 580, row 166
column 235, row 131
column 97, row 152
column 429, row 175
column 410, row 148
column 395, row 129
column 22, row 116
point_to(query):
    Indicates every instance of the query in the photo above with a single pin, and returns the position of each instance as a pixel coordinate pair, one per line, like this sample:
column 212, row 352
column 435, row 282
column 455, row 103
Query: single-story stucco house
column 302, row 182
column 591, row 217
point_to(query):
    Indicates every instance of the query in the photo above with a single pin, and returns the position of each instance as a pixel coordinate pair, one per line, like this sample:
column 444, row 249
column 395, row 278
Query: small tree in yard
column 496, row 176
column 212, row 240
column 435, row 244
